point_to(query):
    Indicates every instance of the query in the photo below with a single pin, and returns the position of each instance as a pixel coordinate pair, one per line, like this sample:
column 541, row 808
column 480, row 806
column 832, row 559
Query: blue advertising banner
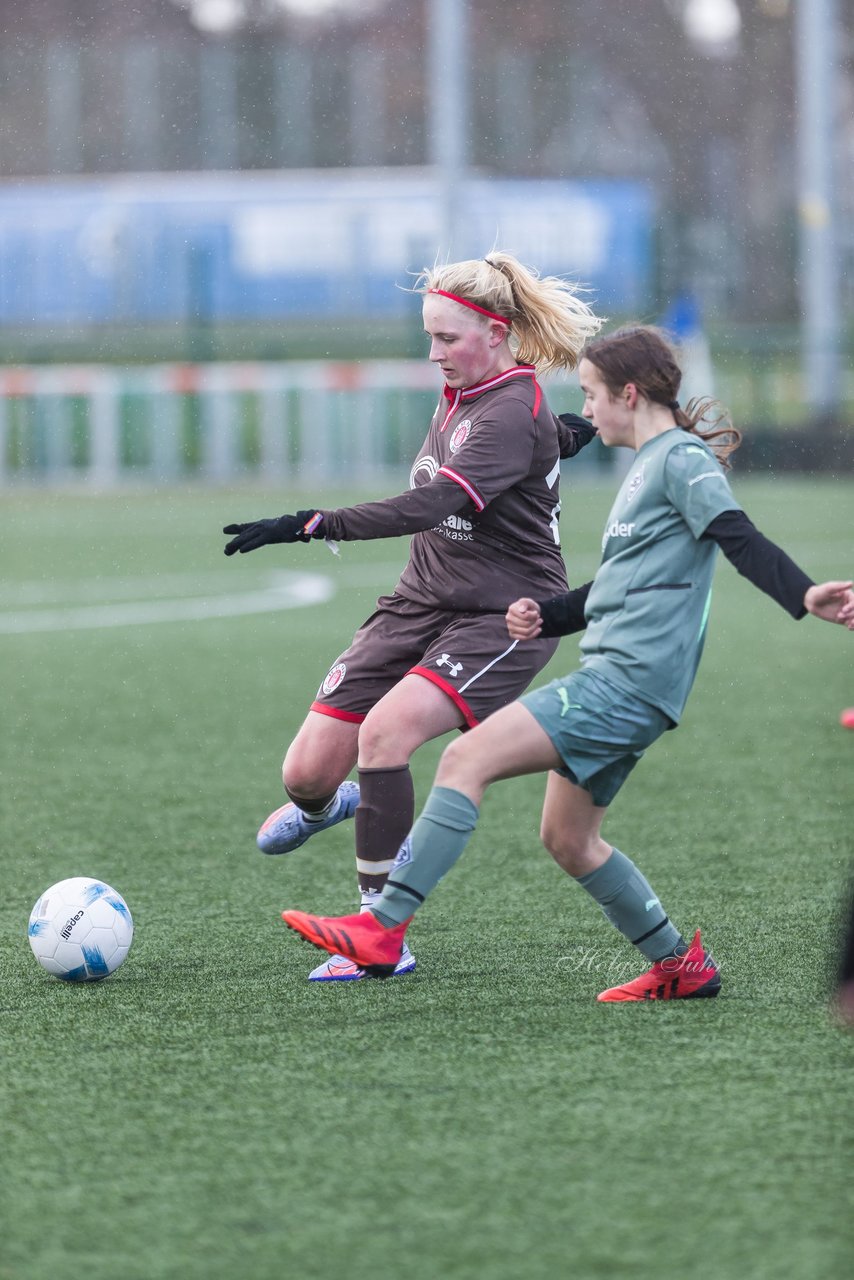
column 236, row 247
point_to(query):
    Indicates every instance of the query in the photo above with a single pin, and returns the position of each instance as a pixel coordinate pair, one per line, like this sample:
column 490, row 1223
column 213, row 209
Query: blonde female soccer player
column 483, row 508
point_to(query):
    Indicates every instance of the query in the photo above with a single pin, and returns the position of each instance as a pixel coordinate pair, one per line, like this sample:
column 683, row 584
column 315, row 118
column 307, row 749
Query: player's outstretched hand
column 523, row 619
column 832, row 601
column 260, row 533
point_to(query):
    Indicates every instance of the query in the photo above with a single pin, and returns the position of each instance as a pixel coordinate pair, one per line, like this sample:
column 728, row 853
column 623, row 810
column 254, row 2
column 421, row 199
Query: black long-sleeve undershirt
column 755, row 557
column 760, row 560
column 564, row 615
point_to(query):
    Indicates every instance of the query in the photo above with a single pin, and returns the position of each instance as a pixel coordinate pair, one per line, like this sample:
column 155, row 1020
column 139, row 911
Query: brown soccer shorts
column 469, row 656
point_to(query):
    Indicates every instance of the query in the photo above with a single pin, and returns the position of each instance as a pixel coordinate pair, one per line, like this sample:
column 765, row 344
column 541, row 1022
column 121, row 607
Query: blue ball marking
column 95, row 963
column 75, row 975
column 94, row 891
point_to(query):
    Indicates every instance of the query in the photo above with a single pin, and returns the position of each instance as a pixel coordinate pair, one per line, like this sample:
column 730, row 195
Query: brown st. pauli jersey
column 484, row 499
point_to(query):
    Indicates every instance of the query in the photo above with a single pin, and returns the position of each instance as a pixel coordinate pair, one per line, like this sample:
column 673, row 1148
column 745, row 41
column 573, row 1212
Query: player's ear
column 497, row 333
column 630, row 395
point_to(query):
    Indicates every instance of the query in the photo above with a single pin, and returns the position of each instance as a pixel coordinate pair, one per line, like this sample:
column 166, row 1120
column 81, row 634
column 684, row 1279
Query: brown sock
column 384, row 818
column 312, row 807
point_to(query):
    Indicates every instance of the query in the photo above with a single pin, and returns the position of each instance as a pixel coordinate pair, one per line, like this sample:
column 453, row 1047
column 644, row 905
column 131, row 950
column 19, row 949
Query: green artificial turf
column 206, row 1114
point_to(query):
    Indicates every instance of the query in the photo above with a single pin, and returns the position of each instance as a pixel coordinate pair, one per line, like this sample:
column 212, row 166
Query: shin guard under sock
column 438, row 838
column 628, row 901
column 383, row 818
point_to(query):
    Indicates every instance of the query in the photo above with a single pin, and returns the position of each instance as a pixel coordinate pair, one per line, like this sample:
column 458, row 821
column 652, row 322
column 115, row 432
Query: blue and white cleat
column 288, row 828
column 342, row 969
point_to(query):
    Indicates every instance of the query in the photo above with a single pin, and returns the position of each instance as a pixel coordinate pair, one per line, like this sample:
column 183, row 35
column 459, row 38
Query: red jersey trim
column 464, row 484
column 455, row 398
column 350, row 716
column 435, row 678
column 466, row 393
column 457, row 395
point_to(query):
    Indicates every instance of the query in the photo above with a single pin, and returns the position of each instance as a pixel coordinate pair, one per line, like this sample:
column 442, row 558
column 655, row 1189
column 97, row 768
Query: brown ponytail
column 721, row 436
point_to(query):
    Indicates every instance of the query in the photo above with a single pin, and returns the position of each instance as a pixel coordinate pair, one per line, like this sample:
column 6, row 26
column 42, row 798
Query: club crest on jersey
column 460, row 434
column 635, row 484
column 334, row 677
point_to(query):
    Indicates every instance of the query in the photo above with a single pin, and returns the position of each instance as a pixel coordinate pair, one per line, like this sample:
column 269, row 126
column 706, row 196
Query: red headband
column 472, row 306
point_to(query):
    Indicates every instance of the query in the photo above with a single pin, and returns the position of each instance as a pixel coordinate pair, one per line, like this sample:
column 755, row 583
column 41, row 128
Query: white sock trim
column 374, row 868
column 329, row 812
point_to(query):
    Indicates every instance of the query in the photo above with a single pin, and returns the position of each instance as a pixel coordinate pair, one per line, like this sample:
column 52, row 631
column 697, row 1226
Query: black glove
column 584, row 430
column 261, row 532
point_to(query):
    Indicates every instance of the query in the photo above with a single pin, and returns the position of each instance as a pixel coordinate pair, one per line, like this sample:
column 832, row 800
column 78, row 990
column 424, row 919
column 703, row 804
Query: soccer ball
column 80, row 930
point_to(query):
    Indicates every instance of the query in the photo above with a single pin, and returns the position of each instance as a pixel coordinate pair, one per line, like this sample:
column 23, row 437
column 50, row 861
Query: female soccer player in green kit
column 644, row 617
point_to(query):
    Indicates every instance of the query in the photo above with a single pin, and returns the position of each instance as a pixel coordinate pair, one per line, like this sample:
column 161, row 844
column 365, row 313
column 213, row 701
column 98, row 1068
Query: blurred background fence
column 289, row 423
column 286, row 422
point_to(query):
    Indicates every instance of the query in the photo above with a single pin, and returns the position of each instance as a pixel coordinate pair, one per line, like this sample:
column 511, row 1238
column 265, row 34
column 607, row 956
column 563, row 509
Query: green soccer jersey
column 649, row 602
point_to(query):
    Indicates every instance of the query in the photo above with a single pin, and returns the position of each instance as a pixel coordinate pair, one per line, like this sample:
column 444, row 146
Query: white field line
column 160, row 586
column 182, row 598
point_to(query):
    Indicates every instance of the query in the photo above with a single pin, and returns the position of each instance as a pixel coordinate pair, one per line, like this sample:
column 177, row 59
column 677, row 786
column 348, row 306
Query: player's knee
column 570, row 849
column 458, row 764
column 384, row 741
column 294, row 776
column 303, row 775
column 373, row 738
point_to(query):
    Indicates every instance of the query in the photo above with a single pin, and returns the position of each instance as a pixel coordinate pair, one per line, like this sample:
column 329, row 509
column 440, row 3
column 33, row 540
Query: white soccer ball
column 80, row 930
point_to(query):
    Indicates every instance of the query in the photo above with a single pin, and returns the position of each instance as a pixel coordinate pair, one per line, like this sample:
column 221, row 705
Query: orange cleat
column 685, row 977
column 374, row 947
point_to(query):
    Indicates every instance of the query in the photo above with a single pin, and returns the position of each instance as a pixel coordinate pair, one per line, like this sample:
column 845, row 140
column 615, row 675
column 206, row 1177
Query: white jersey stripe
column 488, row 667
column 464, row 484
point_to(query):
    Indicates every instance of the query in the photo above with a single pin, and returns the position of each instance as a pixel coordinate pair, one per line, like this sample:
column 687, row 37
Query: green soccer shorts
column 599, row 731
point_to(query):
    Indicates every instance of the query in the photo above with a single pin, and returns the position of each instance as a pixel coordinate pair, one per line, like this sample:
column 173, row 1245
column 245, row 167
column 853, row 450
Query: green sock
column 429, row 851
column 629, row 902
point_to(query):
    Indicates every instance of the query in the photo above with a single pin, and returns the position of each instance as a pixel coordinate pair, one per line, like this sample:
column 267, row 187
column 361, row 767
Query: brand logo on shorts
column 635, row 484
column 447, row 661
column 460, row 435
column 334, row 678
